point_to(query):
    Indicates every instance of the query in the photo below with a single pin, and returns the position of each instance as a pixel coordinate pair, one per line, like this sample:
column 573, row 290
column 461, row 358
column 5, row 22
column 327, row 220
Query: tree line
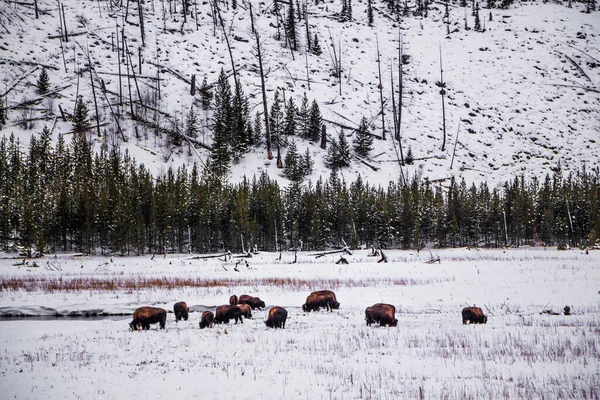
column 67, row 197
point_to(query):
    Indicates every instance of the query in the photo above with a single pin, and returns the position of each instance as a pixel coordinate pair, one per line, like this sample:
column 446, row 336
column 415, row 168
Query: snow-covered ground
column 519, row 353
column 522, row 96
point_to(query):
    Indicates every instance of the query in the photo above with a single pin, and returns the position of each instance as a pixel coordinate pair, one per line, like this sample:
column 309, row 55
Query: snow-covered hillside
column 522, row 96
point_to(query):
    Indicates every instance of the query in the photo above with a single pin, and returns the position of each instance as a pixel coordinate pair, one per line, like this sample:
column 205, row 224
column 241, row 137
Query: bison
column 276, row 318
column 181, row 311
column 144, row 316
column 207, row 320
column 473, row 315
column 253, row 302
column 233, row 300
column 226, row 312
column 321, row 298
column 246, row 310
column 385, row 314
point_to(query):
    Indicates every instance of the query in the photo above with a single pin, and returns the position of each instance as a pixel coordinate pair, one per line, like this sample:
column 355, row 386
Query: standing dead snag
column 442, row 85
column 380, row 86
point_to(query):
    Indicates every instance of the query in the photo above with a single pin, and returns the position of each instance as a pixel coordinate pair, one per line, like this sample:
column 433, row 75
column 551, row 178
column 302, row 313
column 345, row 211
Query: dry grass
column 74, row 284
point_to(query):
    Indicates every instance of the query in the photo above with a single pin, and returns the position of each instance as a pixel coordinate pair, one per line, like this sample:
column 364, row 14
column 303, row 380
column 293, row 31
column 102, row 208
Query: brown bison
column 226, row 312
column 207, row 320
column 276, row 318
column 321, row 298
column 385, row 314
column 473, row 315
column 144, row 316
column 233, row 300
column 253, row 302
column 246, row 310
column 181, row 311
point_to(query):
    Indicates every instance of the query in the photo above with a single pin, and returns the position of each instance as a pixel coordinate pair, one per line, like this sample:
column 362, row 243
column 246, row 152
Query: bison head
column 394, row 322
column 304, row 308
column 335, row 305
column 261, row 304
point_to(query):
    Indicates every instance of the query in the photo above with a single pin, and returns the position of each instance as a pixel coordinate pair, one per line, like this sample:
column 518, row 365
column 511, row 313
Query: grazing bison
column 246, row 310
column 321, row 298
column 385, row 314
column 276, row 318
column 253, row 302
column 233, row 300
column 226, row 312
column 473, row 315
column 181, row 311
column 144, row 316
column 207, row 320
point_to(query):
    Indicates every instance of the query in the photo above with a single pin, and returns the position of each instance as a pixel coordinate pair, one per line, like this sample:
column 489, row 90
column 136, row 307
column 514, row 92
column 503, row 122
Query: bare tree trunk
column 64, row 23
column 94, row 94
column 442, row 86
column 263, row 89
column 235, row 77
column 380, row 91
column 141, row 16
column 36, row 9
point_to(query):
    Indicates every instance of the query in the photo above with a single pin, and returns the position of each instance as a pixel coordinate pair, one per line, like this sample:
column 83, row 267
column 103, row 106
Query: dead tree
column 442, row 85
column 258, row 48
column 380, row 86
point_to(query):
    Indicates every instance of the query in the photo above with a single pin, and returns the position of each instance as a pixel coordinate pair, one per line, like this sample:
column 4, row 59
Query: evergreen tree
column 191, row 124
column 316, row 47
column 338, row 153
column 205, row 94
column 504, row 4
column 315, row 122
column 2, row 113
column 363, row 141
column 257, row 130
column 292, row 167
column 221, row 152
column 239, row 122
column 276, row 118
column 80, row 119
column 306, row 163
column 43, row 82
column 304, row 117
column 477, row 26
column 491, row 4
column 289, row 125
column 409, row 159
column 290, row 27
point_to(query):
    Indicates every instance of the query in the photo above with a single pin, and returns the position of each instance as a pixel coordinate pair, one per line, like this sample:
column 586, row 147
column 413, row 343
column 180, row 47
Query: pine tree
column 276, row 118
column 191, row 124
column 290, row 27
column 292, row 167
column 239, row 122
column 221, row 152
column 303, row 117
column 2, row 113
column 409, row 159
column 257, row 130
column 477, row 26
column 315, row 122
column 363, row 141
column 43, row 82
column 316, row 47
column 338, row 153
column 491, row 3
column 306, row 163
column 289, row 126
column 80, row 119
column 205, row 94
column 504, row 4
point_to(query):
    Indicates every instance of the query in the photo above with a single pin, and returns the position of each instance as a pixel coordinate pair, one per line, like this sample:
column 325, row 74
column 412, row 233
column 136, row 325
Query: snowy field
column 520, row 353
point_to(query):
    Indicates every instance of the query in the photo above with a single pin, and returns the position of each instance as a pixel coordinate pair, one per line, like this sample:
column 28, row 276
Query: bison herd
column 241, row 307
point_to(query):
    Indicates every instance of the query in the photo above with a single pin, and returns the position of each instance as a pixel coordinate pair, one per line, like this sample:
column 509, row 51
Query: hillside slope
column 521, row 96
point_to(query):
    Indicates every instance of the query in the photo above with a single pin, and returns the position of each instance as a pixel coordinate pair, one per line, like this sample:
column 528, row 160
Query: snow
column 519, row 352
column 523, row 107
